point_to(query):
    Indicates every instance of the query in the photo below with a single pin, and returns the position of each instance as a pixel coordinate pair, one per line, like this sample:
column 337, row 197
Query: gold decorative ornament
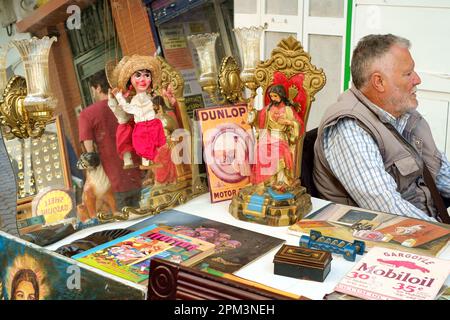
column 170, row 76
column 231, row 86
column 231, row 79
column 27, row 106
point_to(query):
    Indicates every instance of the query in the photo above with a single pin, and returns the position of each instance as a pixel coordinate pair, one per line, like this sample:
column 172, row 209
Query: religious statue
column 289, row 82
column 278, row 128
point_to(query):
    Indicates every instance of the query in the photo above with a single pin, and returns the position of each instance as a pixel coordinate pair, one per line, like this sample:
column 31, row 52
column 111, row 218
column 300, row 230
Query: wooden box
column 302, row 263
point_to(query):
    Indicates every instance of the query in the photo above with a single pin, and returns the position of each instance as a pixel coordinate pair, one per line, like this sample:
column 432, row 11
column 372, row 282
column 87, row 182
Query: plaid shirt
column 355, row 160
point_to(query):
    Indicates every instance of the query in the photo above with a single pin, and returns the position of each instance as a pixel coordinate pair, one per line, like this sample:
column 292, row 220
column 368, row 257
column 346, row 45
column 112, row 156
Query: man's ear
column 377, row 81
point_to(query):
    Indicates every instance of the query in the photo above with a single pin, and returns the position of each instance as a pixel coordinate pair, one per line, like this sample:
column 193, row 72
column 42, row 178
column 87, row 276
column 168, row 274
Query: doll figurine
column 123, row 133
column 126, row 124
column 137, row 77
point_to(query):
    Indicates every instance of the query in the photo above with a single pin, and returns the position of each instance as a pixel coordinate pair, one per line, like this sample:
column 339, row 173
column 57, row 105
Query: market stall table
column 260, row 270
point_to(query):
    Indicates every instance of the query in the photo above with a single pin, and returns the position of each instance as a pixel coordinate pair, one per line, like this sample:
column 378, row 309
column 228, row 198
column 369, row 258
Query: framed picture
column 39, row 162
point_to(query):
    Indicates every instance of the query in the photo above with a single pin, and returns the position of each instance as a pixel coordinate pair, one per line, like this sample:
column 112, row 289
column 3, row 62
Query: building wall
column 133, row 27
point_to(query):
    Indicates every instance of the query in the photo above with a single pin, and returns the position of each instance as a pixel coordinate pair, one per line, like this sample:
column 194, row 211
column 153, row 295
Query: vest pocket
column 405, row 171
column 406, row 166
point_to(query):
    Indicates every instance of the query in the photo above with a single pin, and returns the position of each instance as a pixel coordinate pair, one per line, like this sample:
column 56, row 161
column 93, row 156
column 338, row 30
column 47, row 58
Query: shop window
column 93, row 45
column 175, row 20
column 326, row 8
column 285, row 7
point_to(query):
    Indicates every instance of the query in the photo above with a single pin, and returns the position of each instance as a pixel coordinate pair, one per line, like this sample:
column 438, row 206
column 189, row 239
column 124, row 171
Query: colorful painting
column 29, row 272
column 414, row 233
column 235, row 247
column 123, row 256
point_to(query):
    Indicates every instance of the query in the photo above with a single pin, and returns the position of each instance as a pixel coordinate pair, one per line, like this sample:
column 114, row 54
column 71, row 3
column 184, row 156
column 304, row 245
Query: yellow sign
column 55, row 205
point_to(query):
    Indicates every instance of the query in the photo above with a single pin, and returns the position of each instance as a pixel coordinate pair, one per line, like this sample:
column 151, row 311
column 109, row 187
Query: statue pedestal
column 271, row 207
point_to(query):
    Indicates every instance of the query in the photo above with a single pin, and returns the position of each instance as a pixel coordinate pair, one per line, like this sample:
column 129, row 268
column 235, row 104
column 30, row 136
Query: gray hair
column 369, row 49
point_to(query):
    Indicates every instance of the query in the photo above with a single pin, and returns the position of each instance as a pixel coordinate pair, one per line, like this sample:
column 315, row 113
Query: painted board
column 30, row 272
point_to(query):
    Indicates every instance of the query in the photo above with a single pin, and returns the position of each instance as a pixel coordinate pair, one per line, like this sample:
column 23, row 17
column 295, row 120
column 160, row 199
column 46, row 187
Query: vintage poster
column 386, row 274
column 376, row 229
column 235, row 247
column 227, row 147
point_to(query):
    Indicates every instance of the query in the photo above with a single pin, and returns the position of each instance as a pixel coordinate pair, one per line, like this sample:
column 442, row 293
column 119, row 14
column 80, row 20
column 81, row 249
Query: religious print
column 30, row 272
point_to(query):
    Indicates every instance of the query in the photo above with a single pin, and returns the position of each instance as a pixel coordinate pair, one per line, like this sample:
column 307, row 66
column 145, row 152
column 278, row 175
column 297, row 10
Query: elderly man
column 374, row 150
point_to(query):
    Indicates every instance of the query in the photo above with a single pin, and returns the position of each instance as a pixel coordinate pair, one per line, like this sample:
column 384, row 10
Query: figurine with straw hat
column 136, row 76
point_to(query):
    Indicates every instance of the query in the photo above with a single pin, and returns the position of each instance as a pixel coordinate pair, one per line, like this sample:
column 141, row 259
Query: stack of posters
column 129, row 256
column 234, row 247
column 376, row 229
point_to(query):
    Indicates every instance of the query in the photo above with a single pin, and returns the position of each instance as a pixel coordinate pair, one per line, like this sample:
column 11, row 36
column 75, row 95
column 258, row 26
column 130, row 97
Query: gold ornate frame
column 172, row 76
column 169, row 75
column 11, row 108
column 290, row 58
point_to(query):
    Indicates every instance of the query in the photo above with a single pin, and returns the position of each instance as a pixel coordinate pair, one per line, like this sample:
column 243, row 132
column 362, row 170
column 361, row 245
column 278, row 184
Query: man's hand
column 115, row 91
column 285, row 122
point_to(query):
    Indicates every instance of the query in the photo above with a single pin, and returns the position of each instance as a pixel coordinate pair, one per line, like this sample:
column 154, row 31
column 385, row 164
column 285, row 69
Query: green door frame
column 348, row 43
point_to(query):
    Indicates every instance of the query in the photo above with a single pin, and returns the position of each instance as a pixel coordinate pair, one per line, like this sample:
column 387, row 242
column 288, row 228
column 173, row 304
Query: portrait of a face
column 25, row 286
column 275, row 98
column 26, row 280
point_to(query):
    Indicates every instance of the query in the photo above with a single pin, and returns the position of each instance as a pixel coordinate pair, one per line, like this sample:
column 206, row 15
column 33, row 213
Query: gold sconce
column 205, row 44
column 249, row 43
column 231, row 80
column 26, row 106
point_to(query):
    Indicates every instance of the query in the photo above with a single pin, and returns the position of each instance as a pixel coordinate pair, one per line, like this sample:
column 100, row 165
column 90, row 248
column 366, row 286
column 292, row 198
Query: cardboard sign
column 54, row 205
column 227, row 143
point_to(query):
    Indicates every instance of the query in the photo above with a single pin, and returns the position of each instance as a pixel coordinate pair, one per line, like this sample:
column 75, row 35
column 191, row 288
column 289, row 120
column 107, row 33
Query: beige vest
column 403, row 157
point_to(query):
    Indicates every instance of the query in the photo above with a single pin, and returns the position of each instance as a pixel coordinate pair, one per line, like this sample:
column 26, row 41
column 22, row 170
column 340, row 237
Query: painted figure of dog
column 97, row 188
